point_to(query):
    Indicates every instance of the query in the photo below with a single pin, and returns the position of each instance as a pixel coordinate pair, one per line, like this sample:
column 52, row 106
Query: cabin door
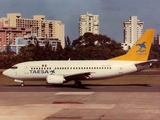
column 120, row 69
column 26, row 69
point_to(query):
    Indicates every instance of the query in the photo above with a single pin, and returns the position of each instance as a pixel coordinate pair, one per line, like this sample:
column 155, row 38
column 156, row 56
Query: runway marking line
column 74, row 93
column 66, row 102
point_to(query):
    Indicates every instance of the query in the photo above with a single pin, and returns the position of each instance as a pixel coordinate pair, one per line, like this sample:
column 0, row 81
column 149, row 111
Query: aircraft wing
column 78, row 76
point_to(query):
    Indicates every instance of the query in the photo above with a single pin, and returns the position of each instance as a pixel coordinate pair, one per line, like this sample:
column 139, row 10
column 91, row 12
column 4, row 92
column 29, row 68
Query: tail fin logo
column 142, row 47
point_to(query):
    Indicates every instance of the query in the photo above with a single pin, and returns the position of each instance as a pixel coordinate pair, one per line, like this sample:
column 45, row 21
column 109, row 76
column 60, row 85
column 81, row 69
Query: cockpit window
column 14, row 67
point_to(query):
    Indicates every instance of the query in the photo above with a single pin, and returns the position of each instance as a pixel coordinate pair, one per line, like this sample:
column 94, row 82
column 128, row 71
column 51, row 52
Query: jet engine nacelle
column 55, row 79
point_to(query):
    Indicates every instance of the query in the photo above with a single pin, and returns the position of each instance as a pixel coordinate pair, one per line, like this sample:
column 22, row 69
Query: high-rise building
column 133, row 29
column 157, row 39
column 38, row 25
column 88, row 23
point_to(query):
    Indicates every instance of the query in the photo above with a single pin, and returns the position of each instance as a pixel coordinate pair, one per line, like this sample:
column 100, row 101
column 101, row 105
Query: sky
column 112, row 13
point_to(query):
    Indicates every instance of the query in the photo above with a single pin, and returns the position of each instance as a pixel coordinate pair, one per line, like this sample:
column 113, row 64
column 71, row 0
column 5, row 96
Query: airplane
column 59, row 72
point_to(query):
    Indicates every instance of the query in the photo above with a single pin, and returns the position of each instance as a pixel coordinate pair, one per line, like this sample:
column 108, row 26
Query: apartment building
column 38, row 25
column 133, row 29
column 157, row 39
column 88, row 23
column 9, row 34
column 23, row 41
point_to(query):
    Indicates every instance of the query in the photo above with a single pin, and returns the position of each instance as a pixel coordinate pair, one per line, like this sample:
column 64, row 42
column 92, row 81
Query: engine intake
column 55, row 79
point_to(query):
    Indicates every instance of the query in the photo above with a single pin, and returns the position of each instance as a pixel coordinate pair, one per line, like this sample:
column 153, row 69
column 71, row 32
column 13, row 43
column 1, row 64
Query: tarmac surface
column 89, row 102
column 101, row 102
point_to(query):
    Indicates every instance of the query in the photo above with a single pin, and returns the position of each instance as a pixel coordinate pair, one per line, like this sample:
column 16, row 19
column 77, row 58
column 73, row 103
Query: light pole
column 8, row 47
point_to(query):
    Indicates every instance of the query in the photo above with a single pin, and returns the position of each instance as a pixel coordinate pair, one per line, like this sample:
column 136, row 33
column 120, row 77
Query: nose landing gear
column 20, row 81
column 22, row 84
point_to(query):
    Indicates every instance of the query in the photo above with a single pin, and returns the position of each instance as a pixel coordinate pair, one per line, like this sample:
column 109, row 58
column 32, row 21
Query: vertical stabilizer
column 141, row 49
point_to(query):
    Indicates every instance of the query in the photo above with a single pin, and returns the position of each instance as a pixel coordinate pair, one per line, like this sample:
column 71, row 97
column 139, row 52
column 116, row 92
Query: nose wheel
column 22, row 84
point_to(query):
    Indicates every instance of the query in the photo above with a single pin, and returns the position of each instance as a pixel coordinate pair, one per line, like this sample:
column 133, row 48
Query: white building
column 133, row 29
column 23, row 41
column 88, row 23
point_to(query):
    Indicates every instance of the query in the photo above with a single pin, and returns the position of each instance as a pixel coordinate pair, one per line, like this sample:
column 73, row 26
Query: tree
column 26, row 52
column 68, row 50
column 97, row 47
column 155, row 54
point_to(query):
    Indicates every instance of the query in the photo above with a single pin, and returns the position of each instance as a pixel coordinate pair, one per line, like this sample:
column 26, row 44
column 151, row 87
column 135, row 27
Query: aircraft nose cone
column 9, row 73
column 4, row 72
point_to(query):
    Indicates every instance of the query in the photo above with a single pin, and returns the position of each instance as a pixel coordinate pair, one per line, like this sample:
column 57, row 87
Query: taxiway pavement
column 100, row 102
column 90, row 102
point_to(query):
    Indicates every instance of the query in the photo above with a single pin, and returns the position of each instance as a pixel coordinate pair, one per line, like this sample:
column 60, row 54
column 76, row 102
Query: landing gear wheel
column 78, row 84
column 22, row 84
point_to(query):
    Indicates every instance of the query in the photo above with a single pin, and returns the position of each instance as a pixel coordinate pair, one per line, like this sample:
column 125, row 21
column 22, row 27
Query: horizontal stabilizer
column 149, row 61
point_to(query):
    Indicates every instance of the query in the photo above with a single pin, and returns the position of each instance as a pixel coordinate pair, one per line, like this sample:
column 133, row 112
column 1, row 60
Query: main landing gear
column 78, row 83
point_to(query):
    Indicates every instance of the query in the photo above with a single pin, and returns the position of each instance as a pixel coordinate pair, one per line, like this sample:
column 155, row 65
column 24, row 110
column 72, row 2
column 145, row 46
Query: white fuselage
column 99, row 69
